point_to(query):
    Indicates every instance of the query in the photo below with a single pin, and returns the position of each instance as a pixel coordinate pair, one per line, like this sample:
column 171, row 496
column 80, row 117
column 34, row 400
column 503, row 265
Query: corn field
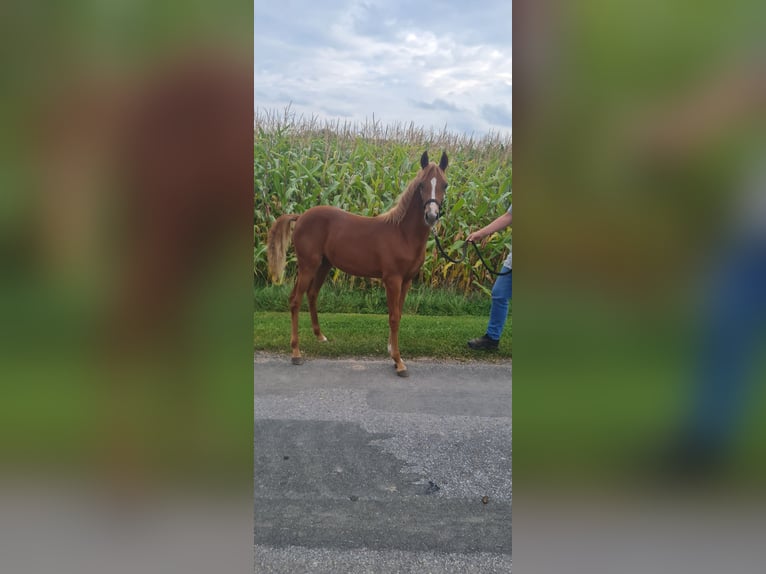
column 300, row 163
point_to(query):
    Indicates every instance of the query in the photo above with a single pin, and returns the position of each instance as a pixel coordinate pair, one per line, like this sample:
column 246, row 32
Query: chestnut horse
column 390, row 246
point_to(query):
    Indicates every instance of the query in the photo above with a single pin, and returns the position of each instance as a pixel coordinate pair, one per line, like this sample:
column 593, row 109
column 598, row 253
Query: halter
column 433, row 199
column 439, row 205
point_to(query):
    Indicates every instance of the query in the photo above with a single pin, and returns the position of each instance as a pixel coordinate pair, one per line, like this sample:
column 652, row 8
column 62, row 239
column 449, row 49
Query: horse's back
column 349, row 241
column 330, row 213
column 320, row 220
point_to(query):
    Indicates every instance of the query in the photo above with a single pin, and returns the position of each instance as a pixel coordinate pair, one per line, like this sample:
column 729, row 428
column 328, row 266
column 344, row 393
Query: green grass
column 67, row 402
column 602, row 388
column 366, row 335
column 370, row 297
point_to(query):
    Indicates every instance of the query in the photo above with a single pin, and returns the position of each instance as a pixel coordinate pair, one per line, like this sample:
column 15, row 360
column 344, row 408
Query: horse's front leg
column 405, row 288
column 393, row 298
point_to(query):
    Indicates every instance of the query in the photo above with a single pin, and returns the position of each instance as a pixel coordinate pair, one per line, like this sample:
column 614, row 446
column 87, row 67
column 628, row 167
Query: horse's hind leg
column 313, row 293
column 296, row 297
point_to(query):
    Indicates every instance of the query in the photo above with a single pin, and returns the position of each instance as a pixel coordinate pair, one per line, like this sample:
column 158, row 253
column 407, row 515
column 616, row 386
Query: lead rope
column 465, row 252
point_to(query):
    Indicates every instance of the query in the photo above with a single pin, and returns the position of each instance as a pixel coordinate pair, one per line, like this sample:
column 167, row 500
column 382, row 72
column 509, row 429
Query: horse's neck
column 413, row 225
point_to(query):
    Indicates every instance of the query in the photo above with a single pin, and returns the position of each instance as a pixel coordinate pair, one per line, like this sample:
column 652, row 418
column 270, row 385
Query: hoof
column 403, row 373
column 297, row 360
column 322, row 339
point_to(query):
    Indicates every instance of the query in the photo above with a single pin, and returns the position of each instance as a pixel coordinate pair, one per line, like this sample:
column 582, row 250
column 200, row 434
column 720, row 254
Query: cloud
column 440, row 63
column 499, row 115
column 437, row 104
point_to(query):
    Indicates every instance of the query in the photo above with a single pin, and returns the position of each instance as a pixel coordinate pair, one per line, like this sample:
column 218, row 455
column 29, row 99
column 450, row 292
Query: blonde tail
column 278, row 242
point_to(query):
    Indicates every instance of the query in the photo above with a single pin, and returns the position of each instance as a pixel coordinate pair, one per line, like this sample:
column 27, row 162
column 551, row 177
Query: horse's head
column 432, row 187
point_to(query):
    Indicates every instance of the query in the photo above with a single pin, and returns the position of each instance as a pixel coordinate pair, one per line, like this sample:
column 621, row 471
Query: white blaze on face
column 432, row 211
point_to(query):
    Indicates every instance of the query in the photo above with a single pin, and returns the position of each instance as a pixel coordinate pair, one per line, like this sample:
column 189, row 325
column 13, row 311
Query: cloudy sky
column 431, row 63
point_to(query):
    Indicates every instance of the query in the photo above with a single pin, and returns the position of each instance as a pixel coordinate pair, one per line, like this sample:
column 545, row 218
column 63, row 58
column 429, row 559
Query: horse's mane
column 398, row 211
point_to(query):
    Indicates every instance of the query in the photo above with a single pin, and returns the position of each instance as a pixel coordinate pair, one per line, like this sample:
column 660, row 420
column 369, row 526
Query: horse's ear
column 444, row 162
column 424, row 160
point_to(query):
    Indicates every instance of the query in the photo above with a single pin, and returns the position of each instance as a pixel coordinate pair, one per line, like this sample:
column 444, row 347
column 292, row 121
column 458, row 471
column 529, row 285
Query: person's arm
column 505, row 220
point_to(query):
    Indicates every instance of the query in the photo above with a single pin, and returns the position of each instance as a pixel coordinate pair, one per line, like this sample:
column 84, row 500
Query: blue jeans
column 498, row 312
column 735, row 317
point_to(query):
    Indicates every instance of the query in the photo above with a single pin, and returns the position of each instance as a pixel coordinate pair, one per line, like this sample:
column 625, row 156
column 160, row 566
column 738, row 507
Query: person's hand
column 474, row 237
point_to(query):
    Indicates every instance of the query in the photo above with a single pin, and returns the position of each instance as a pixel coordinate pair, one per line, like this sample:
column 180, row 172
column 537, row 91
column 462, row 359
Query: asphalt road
column 358, row 470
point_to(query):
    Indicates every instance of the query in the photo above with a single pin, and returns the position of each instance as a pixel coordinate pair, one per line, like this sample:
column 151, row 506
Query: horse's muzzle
column 432, row 212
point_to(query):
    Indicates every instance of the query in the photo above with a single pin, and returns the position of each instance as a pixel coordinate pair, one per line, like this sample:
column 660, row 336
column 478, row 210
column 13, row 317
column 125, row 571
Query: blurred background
column 639, row 300
column 126, row 290
column 125, row 293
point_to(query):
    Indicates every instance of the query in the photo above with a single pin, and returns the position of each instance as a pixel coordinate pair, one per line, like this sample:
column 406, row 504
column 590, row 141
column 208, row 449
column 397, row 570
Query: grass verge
column 366, row 335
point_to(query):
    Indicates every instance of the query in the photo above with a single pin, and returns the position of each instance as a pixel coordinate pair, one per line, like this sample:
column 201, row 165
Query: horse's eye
column 446, row 185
